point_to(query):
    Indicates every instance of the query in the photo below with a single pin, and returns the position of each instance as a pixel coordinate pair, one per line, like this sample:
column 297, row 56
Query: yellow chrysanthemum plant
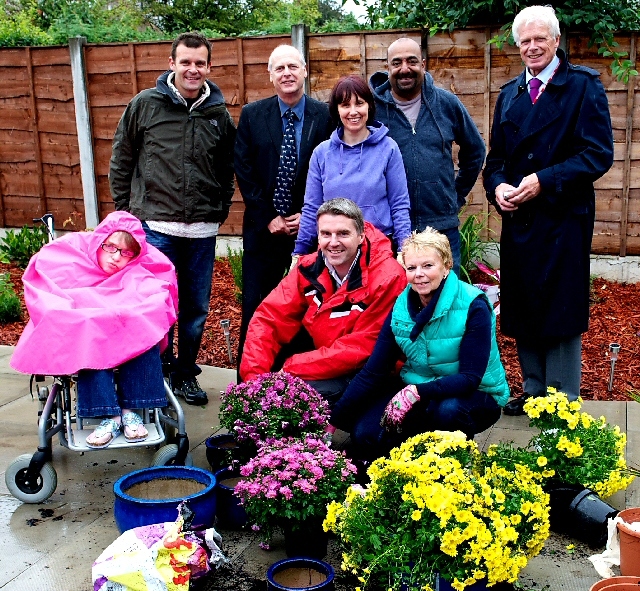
column 433, row 508
column 572, row 447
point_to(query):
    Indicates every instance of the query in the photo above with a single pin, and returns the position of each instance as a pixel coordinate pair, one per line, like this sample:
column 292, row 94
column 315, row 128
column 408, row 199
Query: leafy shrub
column 19, row 247
column 18, row 28
column 235, row 262
column 473, row 248
column 10, row 308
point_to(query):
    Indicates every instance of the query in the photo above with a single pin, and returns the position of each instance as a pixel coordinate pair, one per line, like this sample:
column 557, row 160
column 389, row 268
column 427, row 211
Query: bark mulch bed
column 615, row 317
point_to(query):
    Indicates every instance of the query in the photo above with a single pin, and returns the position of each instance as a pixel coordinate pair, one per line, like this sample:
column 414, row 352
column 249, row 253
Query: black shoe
column 190, row 390
column 515, row 407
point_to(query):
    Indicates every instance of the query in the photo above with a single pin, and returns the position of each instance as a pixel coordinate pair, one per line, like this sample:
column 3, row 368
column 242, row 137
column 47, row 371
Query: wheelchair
column 31, row 478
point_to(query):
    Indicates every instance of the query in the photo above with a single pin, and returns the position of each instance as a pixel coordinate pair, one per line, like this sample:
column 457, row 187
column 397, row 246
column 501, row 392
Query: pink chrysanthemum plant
column 291, row 481
column 272, row 406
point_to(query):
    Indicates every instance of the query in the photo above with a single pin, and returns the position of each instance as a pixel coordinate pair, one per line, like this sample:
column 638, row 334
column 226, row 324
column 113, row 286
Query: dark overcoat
column 566, row 139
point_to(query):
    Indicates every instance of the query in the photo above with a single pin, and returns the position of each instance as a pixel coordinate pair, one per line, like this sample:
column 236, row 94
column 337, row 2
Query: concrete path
column 53, row 545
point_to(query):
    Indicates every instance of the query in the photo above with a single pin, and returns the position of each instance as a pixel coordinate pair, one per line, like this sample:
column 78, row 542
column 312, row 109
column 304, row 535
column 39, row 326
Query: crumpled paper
column 159, row 557
column 611, row 555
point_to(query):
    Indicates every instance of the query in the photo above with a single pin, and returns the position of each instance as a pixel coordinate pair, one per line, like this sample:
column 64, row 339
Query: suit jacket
column 257, row 155
column 566, row 139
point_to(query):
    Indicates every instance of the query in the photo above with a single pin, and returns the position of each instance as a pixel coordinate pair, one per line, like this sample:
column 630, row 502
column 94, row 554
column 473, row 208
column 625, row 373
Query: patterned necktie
column 534, row 89
column 287, row 167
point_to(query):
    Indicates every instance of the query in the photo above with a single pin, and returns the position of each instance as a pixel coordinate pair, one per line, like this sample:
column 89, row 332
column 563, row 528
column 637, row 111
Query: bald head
column 287, row 71
column 406, row 69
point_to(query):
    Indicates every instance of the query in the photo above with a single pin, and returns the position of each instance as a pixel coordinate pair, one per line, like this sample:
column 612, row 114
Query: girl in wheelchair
column 98, row 302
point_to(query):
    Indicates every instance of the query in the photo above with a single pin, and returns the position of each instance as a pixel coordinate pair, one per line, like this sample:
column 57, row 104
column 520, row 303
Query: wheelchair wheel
column 29, row 490
column 166, row 455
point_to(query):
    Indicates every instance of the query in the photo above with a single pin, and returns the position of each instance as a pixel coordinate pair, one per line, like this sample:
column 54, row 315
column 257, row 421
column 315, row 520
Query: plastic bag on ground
column 159, row 557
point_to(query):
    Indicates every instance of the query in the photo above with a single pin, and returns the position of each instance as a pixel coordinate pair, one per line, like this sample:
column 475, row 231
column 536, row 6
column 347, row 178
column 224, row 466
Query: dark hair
column 193, row 40
column 342, row 92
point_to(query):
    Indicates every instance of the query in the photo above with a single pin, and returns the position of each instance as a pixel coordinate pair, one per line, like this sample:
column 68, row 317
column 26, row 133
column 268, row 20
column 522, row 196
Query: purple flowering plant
column 292, row 480
column 272, row 406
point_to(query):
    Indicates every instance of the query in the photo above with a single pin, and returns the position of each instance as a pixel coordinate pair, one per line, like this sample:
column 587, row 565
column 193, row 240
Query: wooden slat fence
column 39, row 159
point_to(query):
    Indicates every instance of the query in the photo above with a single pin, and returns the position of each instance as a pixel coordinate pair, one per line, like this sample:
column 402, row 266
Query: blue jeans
column 471, row 415
column 193, row 259
column 453, row 234
column 140, row 385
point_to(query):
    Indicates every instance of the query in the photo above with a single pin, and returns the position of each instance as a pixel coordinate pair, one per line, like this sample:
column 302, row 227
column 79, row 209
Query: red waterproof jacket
column 343, row 323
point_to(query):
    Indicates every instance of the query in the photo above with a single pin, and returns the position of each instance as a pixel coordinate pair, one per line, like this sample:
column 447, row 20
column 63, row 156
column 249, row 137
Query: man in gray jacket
column 172, row 167
column 425, row 120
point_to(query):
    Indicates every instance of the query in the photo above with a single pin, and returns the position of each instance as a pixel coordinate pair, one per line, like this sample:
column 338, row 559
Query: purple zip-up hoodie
column 370, row 173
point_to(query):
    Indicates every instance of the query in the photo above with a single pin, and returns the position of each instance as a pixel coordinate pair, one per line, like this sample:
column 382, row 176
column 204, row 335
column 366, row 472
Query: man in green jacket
column 172, row 167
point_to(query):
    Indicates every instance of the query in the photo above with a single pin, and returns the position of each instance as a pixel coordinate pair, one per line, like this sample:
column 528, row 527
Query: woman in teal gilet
column 452, row 377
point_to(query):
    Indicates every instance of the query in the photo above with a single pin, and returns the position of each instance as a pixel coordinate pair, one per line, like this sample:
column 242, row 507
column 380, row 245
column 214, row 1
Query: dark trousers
column 453, row 234
column 193, row 259
column 471, row 415
column 262, row 270
column 557, row 364
column 330, row 389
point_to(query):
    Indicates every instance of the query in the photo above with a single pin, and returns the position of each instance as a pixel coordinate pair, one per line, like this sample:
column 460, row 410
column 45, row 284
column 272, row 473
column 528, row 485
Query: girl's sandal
column 108, row 428
column 133, row 427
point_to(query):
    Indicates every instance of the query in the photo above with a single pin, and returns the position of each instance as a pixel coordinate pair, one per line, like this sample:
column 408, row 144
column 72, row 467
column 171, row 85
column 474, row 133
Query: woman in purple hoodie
column 360, row 162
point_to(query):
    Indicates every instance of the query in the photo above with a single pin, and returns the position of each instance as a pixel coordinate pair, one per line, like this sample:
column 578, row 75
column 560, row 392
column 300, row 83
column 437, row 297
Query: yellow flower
column 541, row 461
column 416, row 515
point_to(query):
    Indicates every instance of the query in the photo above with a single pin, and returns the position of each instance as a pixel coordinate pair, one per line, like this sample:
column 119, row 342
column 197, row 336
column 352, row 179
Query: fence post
column 299, row 41
column 83, row 127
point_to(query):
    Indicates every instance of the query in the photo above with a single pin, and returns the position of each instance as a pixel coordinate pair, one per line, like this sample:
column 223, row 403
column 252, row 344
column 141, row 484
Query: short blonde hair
column 428, row 238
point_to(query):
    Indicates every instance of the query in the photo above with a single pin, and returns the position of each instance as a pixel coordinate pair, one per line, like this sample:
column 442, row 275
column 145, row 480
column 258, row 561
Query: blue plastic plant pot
column 300, row 574
column 221, row 449
column 230, row 513
column 133, row 507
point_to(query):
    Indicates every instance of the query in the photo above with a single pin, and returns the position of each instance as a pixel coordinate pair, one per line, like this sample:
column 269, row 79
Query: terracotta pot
column 629, row 543
column 614, row 584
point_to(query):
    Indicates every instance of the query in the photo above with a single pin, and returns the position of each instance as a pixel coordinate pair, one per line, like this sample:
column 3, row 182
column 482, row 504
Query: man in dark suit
column 273, row 202
column 551, row 139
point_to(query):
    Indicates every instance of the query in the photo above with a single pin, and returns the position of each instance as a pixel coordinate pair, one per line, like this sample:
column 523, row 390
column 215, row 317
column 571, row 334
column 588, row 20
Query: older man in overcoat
column 551, row 139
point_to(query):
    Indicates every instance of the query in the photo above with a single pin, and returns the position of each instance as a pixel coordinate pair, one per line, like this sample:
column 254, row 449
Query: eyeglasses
column 112, row 249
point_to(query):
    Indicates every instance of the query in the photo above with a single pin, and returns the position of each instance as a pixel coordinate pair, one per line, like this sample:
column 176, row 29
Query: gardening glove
column 398, row 407
column 329, row 430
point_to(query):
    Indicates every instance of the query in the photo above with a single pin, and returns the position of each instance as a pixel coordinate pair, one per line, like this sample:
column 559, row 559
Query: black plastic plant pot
column 579, row 513
column 300, row 574
column 307, row 540
column 589, row 518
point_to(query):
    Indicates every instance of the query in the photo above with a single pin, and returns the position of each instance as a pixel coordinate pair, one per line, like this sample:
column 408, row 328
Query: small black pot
column 579, row 512
column 309, row 540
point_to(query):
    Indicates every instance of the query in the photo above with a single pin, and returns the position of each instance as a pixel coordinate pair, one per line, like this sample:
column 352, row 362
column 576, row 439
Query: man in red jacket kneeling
column 321, row 322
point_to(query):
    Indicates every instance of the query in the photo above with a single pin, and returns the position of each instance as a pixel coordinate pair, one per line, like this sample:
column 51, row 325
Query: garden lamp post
column 614, row 349
column 225, row 324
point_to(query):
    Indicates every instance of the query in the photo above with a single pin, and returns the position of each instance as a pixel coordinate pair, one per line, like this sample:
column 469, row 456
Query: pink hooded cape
column 83, row 318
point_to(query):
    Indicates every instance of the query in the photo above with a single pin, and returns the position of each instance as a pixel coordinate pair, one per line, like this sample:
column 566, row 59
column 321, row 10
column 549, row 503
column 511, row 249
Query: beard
column 407, row 84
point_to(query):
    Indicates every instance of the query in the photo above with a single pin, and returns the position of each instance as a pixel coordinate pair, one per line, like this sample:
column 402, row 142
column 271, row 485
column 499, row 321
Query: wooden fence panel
column 39, row 160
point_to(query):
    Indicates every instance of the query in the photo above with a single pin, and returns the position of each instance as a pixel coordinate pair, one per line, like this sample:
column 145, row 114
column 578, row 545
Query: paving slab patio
column 54, row 550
